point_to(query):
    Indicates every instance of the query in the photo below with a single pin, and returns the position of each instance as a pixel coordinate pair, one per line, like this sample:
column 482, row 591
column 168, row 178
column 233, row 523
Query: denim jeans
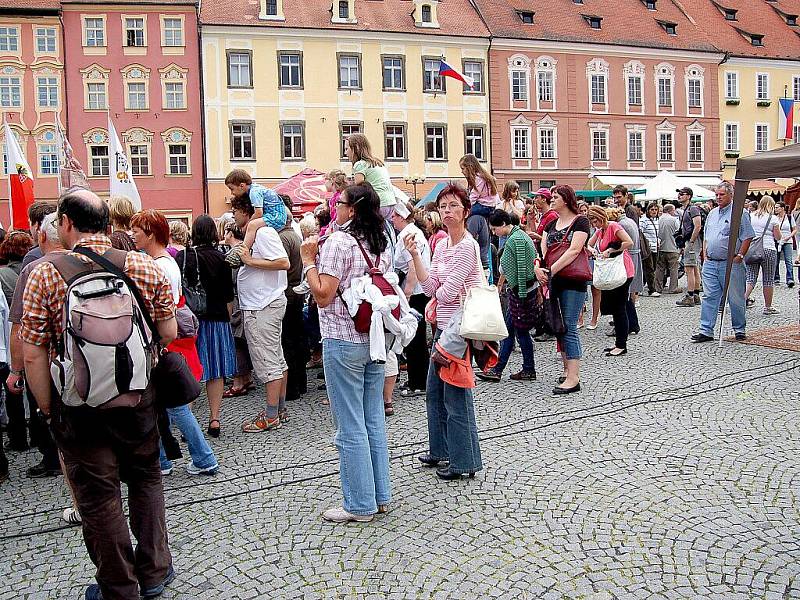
column 201, row 453
column 355, row 389
column 713, row 283
column 525, row 345
column 452, row 430
column 571, row 306
column 787, row 254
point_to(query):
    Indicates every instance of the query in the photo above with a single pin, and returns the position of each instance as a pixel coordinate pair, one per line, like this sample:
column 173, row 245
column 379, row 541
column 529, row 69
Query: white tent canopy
column 664, row 186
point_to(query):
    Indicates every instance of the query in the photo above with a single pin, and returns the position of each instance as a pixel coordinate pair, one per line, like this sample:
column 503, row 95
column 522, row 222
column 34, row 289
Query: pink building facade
column 32, row 93
column 566, row 114
column 139, row 63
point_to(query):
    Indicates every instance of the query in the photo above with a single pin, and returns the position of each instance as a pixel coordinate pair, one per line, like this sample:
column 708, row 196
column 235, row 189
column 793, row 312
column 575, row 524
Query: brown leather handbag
column 578, row 270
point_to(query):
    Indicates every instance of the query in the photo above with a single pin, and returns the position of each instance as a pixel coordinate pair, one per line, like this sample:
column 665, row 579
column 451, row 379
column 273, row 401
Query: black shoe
column 41, row 470
column 740, row 336
column 448, row 475
column 4, row 475
column 634, row 331
column 524, row 376
column 790, row 285
column 158, row 589
column 10, row 446
column 559, row 391
column 699, row 338
column 612, row 355
column 429, row 461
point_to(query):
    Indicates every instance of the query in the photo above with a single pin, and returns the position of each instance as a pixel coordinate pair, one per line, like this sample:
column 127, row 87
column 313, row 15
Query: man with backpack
column 104, row 424
column 691, row 227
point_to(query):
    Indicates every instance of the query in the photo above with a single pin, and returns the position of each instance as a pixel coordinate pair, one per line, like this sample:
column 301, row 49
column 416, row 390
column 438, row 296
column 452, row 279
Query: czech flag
column 446, row 70
column 785, row 118
column 20, row 181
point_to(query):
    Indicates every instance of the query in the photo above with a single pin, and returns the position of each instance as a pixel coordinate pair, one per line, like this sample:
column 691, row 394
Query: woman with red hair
column 151, row 234
column 13, row 249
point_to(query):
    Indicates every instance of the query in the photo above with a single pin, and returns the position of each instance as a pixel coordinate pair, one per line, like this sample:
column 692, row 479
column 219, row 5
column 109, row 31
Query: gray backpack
column 105, row 355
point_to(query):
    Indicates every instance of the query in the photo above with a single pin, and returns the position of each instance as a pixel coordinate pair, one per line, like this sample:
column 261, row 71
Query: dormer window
column 525, row 16
column 577, row 1
column 756, row 39
column 426, row 13
column 593, row 21
column 730, row 14
column 344, row 9
column 670, row 28
column 791, row 20
column 649, row 4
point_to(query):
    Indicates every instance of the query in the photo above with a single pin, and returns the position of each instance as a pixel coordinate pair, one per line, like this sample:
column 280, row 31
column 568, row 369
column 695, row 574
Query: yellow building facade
column 749, row 109
column 279, row 100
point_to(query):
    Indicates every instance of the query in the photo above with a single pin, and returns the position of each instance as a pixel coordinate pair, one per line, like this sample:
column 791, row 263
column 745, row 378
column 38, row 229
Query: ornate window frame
column 665, row 128
column 696, row 128
column 97, row 136
column 174, row 136
column 522, row 64
column 546, row 64
column 634, row 69
column 695, row 72
column 139, row 136
column 665, row 71
column 136, row 73
column 173, row 73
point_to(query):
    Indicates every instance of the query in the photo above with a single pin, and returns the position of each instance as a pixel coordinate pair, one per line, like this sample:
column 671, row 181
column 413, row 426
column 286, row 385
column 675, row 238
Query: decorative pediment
column 547, row 121
column 174, row 72
column 95, row 72
column 665, row 70
column 633, row 67
column 98, row 135
column 519, row 61
column 176, row 135
column 135, row 72
column 11, row 71
column 694, row 71
column 546, row 63
column 137, row 135
column 520, row 121
column 665, row 125
column 635, row 127
column 605, row 126
column 597, row 66
column 695, row 126
column 45, row 135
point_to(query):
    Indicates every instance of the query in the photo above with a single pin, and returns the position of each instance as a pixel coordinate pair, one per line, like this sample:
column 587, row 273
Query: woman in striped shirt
column 452, row 430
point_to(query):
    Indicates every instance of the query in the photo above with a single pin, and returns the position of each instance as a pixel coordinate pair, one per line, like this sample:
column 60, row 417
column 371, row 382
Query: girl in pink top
column 609, row 239
column 481, row 186
column 335, row 182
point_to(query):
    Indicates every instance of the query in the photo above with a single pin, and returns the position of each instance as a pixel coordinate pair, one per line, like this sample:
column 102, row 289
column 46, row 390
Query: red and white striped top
column 454, row 270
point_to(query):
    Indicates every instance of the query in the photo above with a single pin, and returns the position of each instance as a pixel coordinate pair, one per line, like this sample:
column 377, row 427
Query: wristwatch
column 739, row 256
column 20, row 373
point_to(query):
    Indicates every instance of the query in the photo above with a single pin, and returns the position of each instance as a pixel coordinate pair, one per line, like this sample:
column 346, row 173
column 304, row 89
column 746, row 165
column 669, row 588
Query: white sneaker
column 655, row 295
column 71, row 516
column 769, row 310
column 302, row 288
column 192, row 469
column 340, row 515
column 166, row 472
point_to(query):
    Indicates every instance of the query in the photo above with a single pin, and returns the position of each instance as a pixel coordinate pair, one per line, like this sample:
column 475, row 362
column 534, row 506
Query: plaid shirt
column 341, row 258
column 46, row 291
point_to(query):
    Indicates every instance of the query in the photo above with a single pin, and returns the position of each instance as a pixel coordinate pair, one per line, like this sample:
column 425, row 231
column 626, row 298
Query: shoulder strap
column 364, row 253
column 69, row 267
column 110, row 261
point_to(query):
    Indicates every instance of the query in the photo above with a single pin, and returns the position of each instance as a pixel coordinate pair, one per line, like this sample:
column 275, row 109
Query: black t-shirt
column 687, row 220
column 555, row 236
column 215, row 276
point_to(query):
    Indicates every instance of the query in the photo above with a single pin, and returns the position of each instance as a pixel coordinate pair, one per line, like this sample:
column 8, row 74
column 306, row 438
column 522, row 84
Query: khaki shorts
column 392, row 367
column 691, row 253
column 262, row 328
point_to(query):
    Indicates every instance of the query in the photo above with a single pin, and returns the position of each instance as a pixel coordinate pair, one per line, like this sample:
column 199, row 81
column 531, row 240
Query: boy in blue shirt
column 270, row 209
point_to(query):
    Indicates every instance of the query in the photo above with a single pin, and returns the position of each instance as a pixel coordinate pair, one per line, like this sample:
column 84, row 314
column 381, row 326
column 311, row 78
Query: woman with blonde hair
column 434, row 228
column 120, row 209
column 178, row 237
column 367, row 168
column 481, row 185
column 768, row 229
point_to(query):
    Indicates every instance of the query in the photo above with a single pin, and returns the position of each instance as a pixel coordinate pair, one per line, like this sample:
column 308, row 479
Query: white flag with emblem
column 119, row 173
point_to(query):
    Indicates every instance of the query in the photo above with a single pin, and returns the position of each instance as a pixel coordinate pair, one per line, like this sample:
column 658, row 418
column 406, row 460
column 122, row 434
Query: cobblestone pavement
column 674, row 474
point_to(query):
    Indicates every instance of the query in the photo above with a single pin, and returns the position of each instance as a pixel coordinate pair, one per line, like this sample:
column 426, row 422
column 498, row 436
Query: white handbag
column 482, row 316
column 609, row 273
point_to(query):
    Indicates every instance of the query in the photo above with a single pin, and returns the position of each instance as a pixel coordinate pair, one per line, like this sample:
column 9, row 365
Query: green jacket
column 517, row 261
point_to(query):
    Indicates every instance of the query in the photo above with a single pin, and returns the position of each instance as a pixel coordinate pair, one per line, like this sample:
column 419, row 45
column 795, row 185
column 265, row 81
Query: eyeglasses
column 450, row 207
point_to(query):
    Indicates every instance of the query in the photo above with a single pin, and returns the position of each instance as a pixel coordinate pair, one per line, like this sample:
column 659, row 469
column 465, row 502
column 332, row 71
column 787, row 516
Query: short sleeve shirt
column 258, row 288
column 718, row 232
column 555, row 236
column 687, row 220
column 378, row 178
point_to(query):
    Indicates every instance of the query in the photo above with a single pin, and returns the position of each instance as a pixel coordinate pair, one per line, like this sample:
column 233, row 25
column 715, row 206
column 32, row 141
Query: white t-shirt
column 259, row 288
column 173, row 272
column 759, row 222
column 787, row 224
column 402, row 258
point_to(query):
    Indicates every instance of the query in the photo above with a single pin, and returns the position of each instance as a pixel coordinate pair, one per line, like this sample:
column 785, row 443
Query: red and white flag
column 20, row 182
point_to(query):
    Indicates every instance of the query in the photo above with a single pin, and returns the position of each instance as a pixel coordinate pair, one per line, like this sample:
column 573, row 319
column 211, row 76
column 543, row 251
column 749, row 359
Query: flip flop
column 235, row 392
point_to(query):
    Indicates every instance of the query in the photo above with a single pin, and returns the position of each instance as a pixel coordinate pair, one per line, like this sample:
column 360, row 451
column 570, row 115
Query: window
column 178, row 159
column 796, row 88
column 393, row 71
column 664, row 91
column 137, row 96
column 731, row 85
column 291, row 67
column 730, row 14
column 48, row 159
column 242, row 138
column 791, row 20
column 99, row 157
column 649, row 4
column 10, row 92
column 635, row 91
column 474, row 69
column 431, row 80
column 435, row 142
column 670, row 28
column 525, row 186
column 762, row 86
column 731, row 137
column 345, row 131
column 271, row 8
column 756, row 39
column 635, row 146
column 174, row 95
column 473, row 141
column 95, row 32
column 134, row 31
column 292, row 146
column 665, row 153
column 97, row 96
column 762, row 137
column 547, row 143
column 426, row 13
column 525, row 16
column 395, row 142
column 598, row 89
column 239, row 71
column 45, row 39
column 519, row 86
column 9, row 39
column 344, row 9
column 140, row 159
column 593, row 22
column 694, row 92
column 173, row 32
column 47, row 91
column 521, row 143
column 544, row 84
column 349, row 71
column 599, row 145
column 695, row 147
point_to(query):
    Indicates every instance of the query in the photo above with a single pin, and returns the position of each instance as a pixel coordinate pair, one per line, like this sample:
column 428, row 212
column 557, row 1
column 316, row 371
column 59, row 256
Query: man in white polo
column 261, row 285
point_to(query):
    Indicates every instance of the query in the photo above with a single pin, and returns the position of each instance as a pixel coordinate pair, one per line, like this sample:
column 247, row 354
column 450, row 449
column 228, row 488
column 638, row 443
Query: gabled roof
column 29, row 6
column 625, row 22
column 134, row 2
column 456, row 17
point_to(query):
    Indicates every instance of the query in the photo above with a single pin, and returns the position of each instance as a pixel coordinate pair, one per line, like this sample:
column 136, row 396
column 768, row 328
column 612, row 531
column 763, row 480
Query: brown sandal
column 235, row 392
column 388, row 409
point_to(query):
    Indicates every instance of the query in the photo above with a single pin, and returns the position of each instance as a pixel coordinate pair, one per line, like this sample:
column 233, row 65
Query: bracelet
column 20, row 373
column 308, row 268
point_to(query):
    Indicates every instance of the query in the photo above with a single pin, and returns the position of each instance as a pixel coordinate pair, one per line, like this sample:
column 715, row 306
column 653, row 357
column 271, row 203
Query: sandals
column 213, row 431
column 235, row 392
column 409, row 393
column 388, row 409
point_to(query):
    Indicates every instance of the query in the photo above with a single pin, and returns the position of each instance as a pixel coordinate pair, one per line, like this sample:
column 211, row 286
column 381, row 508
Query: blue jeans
column 452, row 430
column 355, row 389
column 481, row 209
column 713, row 283
column 201, row 453
column 525, row 344
column 787, row 253
column 571, row 306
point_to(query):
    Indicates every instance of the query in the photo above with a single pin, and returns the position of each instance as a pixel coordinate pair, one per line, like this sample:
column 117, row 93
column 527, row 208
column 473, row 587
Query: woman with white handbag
column 455, row 269
column 613, row 273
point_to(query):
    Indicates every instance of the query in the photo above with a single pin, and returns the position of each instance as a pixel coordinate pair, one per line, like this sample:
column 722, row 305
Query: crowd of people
column 366, row 285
